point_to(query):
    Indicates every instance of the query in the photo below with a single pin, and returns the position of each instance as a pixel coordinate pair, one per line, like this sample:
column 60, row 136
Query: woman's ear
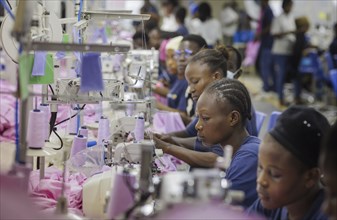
column 312, row 176
column 217, row 75
column 234, row 118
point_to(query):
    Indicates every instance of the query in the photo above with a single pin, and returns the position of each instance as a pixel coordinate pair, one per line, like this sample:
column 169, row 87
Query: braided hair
column 216, row 59
column 235, row 93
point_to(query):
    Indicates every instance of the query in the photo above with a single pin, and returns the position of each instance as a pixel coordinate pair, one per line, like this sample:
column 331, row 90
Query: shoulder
column 257, row 208
column 250, row 146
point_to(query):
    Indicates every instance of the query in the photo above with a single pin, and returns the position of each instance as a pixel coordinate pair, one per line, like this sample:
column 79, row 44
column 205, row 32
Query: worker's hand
column 166, row 138
column 160, row 144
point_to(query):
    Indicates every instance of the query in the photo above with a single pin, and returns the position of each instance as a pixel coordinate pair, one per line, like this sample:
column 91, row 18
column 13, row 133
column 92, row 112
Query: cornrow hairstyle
column 235, row 93
column 200, row 41
column 234, row 55
column 216, row 59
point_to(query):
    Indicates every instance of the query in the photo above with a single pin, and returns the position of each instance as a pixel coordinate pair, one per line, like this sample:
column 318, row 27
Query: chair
column 260, row 117
column 333, row 77
column 273, row 118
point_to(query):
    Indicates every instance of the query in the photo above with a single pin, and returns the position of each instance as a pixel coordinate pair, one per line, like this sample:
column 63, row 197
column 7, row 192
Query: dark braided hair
column 216, row 59
column 235, row 93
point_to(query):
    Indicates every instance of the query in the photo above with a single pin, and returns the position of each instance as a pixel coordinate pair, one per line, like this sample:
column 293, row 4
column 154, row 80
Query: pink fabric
column 166, row 122
column 252, row 51
column 167, row 163
column 7, row 112
column 160, row 98
column 45, row 192
column 162, row 50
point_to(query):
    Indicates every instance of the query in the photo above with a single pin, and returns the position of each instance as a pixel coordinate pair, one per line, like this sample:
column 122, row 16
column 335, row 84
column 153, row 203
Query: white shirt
column 229, row 20
column 169, row 23
column 193, row 25
column 283, row 23
column 210, row 30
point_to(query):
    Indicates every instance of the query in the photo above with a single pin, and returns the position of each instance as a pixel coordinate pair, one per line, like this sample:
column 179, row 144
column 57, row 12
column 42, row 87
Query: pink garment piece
column 165, row 164
column 251, row 52
column 162, row 50
column 45, row 192
column 7, row 112
column 160, row 98
column 166, row 122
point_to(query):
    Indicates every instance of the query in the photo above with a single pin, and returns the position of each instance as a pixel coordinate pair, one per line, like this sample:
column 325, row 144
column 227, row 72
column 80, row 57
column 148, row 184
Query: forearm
column 185, row 142
column 191, row 157
column 180, row 134
column 162, row 91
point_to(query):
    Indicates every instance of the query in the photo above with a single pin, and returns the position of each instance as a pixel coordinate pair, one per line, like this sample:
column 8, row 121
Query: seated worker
column 169, row 74
column 189, row 46
column 176, row 101
column 223, row 109
column 327, row 162
column 205, row 67
column 288, row 177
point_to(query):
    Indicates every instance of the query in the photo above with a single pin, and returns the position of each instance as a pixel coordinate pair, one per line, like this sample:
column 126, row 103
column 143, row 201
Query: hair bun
column 223, row 50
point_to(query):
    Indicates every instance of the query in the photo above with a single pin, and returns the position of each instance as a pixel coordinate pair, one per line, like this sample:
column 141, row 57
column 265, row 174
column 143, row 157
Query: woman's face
column 214, row 124
column 186, row 50
column 171, row 63
column 280, row 179
column 199, row 77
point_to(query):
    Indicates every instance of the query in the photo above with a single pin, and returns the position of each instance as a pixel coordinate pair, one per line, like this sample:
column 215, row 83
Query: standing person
column 180, row 18
column 333, row 46
column 266, row 39
column 288, row 177
column 283, row 28
column 301, row 43
column 229, row 19
column 169, row 22
column 223, row 109
column 210, row 28
column 327, row 161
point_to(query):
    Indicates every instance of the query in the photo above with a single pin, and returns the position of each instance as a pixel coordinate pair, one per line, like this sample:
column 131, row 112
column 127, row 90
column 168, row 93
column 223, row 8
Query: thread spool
column 83, row 131
column 99, row 110
column 35, row 131
column 46, row 110
column 103, row 130
column 139, row 129
column 79, row 143
column 72, row 123
column 130, row 108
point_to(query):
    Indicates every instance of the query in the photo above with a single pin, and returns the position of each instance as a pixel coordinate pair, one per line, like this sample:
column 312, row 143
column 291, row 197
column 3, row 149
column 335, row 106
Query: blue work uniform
column 176, row 96
column 314, row 212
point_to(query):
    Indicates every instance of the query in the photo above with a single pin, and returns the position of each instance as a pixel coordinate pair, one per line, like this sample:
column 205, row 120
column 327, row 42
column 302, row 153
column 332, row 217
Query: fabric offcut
column 91, row 79
column 45, row 192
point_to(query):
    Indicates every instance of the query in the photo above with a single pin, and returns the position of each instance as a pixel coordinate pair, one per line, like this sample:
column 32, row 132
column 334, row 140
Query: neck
column 236, row 140
column 298, row 209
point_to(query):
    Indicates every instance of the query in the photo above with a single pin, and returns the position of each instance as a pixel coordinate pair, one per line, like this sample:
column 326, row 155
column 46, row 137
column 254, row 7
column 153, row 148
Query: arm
column 185, row 142
column 162, row 91
column 191, row 157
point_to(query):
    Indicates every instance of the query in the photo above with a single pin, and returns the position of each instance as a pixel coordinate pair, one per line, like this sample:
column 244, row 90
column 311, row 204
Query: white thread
column 35, row 131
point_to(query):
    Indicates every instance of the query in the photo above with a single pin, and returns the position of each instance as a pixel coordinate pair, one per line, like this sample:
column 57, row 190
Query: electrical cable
column 54, row 130
column 71, row 116
column 8, row 9
column 9, row 4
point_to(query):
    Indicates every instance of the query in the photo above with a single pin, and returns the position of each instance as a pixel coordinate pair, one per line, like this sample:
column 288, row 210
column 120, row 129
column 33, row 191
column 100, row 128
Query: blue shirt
column 243, row 168
column 182, row 30
column 314, row 213
column 176, row 96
